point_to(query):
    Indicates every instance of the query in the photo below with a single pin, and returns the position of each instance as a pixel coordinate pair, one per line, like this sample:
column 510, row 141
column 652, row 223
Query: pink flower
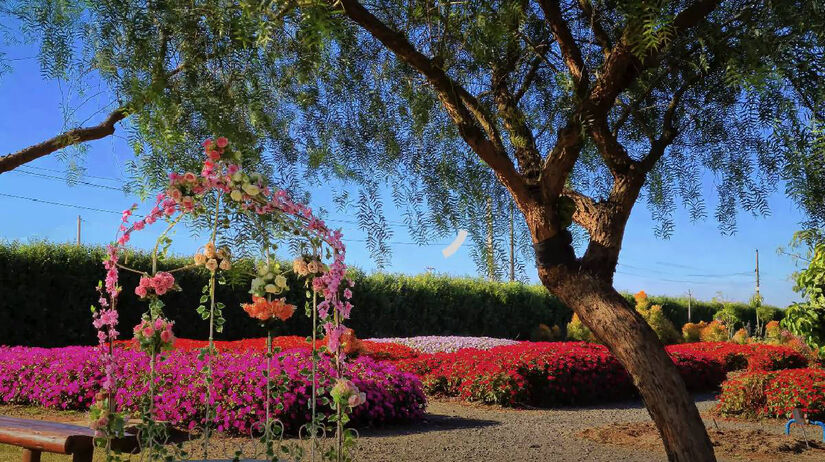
column 190, row 177
column 208, row 143
column 213, row 155
column 148, row 331
column 166, row 336
column 222, row 142
column 141, row 291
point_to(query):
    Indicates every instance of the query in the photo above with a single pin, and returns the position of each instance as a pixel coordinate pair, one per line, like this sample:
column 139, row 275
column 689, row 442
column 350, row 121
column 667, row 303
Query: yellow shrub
column 741, row 337
column 691, row 331
column 642, row 301
column 576, row 330
column 773, row 332
column 660, row 324
column 714, row 332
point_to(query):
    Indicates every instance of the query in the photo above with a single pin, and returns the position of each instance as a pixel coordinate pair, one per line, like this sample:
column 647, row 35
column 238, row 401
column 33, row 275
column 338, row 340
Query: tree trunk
column 635, row 345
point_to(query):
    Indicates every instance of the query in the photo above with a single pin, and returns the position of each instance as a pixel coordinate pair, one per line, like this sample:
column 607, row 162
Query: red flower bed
column 754, row 356
column 774, row 394
column 375, row 350
column 545, row 374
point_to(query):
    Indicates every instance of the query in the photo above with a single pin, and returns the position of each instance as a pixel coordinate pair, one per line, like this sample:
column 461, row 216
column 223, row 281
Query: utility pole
column 512, row 247
column 78, row 230
column 690, row 299
column 758, row 297
column 491, row 274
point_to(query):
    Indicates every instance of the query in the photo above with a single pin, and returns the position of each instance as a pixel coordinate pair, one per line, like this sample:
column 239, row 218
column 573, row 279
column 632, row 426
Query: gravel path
column 457, row 431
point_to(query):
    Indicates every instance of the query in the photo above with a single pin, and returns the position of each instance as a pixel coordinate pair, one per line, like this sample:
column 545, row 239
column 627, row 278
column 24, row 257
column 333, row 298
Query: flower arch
column 223, row 187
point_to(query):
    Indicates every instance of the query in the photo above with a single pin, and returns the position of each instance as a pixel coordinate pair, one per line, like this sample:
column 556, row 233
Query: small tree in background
column 807, row 319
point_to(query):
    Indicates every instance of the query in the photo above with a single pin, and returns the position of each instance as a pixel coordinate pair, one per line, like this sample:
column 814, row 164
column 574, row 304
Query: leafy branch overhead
column 600, row 102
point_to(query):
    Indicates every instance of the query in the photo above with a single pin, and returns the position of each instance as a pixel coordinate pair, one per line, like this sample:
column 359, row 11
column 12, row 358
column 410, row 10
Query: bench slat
column 46, row 436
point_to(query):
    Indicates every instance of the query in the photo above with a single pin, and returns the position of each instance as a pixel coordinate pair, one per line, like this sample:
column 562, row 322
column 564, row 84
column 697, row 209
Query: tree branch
column 669, row 131
column 461, row 106
column 570, row 51
column 77, row 135
column 602, row 38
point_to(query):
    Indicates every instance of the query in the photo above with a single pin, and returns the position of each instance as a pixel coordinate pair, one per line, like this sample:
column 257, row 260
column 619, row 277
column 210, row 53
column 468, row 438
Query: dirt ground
column 455, row 431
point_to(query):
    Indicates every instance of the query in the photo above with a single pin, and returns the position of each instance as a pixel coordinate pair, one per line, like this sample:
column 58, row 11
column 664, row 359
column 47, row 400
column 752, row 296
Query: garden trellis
column 221, row 190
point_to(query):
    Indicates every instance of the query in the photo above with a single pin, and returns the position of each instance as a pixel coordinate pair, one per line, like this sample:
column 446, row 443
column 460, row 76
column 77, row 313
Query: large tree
column 578, row 108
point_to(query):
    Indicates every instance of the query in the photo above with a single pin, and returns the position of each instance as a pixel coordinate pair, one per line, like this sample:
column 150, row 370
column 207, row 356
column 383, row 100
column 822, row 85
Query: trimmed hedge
column 47, row 290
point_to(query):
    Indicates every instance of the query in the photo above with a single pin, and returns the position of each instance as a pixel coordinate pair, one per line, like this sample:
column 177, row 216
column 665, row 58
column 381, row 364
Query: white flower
column 251, row 189
column 280, row 281
column 236, row 195
column 271, row 288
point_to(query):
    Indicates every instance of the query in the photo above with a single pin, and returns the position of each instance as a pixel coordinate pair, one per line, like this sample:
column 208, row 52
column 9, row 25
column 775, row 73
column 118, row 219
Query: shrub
column 387, row 305
column 744, row 395
column 773, row 332
column 576, row 330
column 753, row 356
column 691, row 331
column 741, row 337
column 547, row 374
column 715, row 331
column 661, row 325
column 68, row 378
column 543, row 333
column 802, row 388
column 776, row 394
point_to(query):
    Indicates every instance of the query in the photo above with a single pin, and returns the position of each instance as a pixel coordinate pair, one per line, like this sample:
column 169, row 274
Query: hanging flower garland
column 222, row 182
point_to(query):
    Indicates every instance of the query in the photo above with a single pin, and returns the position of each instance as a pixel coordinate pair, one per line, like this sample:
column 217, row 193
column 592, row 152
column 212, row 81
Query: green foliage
column 807, row 319
column 386, row 305
column 545, row 333
column 576, row 330
column 714, row 331
column 691, row 331
column 664, row 329
column 55, row 285
column 309, row 95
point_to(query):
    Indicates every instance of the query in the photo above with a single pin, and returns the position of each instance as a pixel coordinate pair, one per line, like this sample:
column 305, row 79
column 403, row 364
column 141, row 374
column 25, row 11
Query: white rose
column 236, row 195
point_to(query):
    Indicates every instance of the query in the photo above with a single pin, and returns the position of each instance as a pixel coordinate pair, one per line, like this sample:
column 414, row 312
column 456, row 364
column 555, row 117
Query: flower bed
column 753, row 356
column 373, row 349
column 68, row 378
column 446, row 344
column 775, row 394
column 545, row 374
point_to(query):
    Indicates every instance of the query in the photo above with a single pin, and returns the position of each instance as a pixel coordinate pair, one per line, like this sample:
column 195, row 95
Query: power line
column 94, row 209
column 108, row 178
column 62, row 204
column 57, row 178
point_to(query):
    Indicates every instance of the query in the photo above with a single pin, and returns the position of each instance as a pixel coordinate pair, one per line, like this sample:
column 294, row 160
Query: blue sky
column 697, row 257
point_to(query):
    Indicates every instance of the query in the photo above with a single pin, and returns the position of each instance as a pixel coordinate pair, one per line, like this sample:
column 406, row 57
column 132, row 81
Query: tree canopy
column 732, row 87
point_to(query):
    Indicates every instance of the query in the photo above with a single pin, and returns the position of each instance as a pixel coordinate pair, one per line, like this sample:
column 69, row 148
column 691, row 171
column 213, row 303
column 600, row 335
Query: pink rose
column 141, row 291
column 222, row 142
column 165, row 336
column 148, row 331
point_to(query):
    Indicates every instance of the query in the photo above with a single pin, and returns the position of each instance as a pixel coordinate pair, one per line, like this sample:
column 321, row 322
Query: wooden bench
column 36, row 436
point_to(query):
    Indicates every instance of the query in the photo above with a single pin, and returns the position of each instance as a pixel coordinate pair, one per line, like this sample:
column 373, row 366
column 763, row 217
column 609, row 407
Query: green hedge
column 47, row 290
